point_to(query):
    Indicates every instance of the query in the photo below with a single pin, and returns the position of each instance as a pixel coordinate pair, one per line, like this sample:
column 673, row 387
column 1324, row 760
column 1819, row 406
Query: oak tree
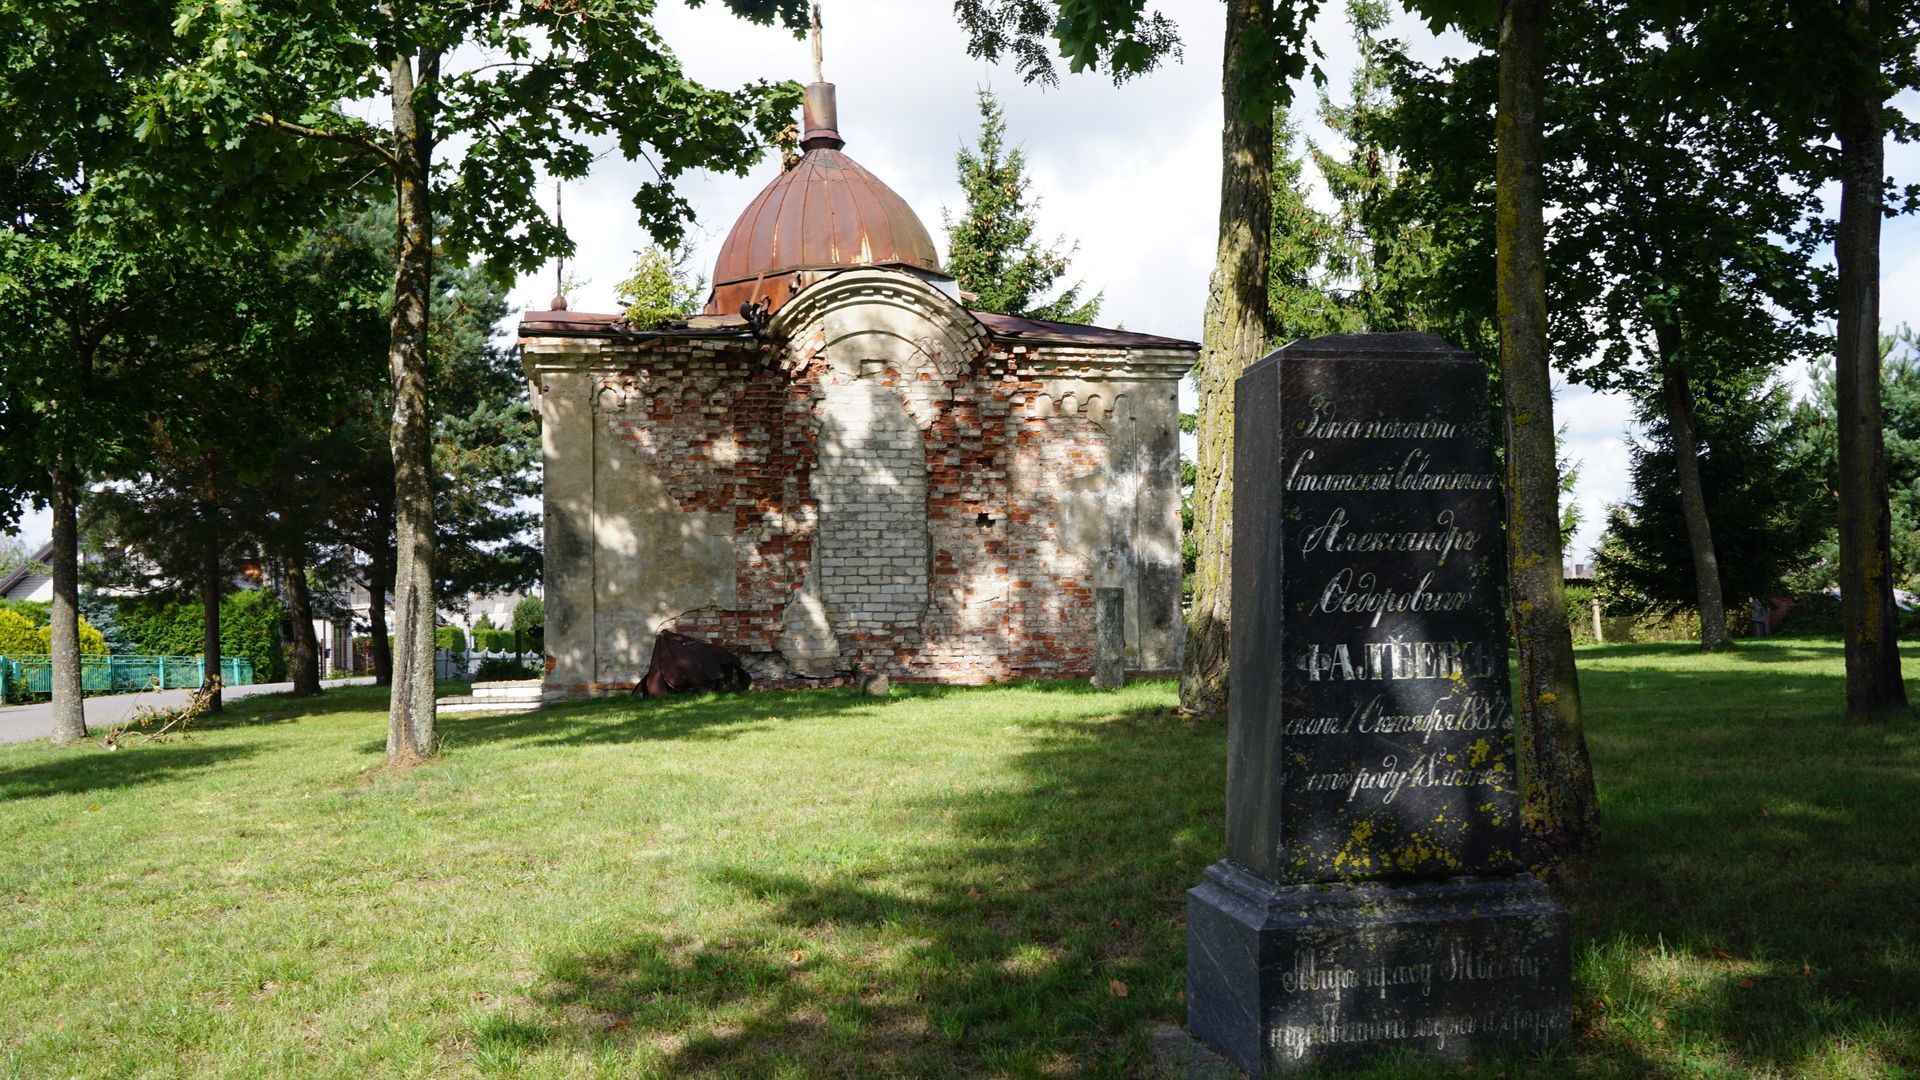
column 484, row 102
column 1827, row 72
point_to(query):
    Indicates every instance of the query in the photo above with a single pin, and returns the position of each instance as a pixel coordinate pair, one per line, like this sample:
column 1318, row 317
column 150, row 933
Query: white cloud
column 35, row 529
column 1900, row 275
column 1596, row 440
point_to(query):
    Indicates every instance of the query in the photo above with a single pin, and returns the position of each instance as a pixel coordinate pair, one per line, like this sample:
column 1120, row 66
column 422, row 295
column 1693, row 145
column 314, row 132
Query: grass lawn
column 976, row 882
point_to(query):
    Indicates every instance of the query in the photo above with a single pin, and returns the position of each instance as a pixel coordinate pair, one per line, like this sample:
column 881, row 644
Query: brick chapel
column 837, row 469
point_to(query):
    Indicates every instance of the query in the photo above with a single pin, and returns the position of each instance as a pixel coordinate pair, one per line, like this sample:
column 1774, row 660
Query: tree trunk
column 210, row 614
column 1562, row 814
column 379, row 585
column 69, row 704
column 1234, row 336
column 410, row 718
column 1677, row 394
column 1869, row 620
column 306, row 646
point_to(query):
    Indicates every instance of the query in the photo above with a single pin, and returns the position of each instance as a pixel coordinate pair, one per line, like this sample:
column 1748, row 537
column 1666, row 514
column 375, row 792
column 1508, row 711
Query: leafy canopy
column 1127, row 39
column 1817, row 440
column 520, row 92
column 1683, row 237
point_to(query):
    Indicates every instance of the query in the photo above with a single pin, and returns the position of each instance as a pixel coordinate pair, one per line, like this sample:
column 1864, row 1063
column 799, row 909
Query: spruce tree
column 991, row 249
column 1300, row 301
column 1763, row 495
column 1378, row 260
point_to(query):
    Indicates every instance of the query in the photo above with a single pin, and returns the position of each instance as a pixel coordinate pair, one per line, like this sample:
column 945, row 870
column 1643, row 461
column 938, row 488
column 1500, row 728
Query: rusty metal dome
column 826, row 213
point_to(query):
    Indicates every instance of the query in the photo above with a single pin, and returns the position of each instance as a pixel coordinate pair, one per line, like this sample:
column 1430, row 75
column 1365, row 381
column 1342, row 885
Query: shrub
column 1580, row 613
column 492, row 640
column 92, row 642
column 1818, row 615
column 530, row 618
column 37, row 612
column 101, row 612
column 484, row 622
column 20, row 637
column 498, row 668
column 450, row 638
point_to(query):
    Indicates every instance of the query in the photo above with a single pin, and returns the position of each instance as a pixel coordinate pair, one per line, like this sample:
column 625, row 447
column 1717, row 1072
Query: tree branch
column 357, row 142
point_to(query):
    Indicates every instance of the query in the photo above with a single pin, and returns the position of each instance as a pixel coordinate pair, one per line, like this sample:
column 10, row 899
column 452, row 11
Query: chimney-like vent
column 820, row 119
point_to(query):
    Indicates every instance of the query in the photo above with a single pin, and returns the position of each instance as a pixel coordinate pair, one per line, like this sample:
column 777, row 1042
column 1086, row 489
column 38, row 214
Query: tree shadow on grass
column 73, row 772
column 1035, row 930
column 1713, row 938
column 1756, row 650
column 287, row 708
column 679, row 717
column 1758, row 890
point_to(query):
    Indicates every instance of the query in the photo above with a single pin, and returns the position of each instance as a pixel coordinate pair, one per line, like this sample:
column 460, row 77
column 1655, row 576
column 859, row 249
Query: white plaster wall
column 653, row 560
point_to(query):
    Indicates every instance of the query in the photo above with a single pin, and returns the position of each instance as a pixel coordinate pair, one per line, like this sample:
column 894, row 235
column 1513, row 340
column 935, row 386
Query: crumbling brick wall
column 999, row 595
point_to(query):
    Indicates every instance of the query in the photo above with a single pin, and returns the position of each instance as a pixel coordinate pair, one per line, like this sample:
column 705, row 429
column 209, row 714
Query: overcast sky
column 1131, row 173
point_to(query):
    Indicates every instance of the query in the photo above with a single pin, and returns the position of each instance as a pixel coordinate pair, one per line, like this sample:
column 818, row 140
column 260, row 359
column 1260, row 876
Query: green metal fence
column 120, row 674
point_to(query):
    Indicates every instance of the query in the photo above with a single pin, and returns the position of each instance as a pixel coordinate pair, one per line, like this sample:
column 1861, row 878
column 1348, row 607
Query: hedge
column 492, row 640
column 249, row 627
column 503, row 668
column 450, row 638
column 37, row 612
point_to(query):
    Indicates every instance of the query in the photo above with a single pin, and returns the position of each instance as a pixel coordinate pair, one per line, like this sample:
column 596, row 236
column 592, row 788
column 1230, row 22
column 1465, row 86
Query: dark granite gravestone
column 1373, row 894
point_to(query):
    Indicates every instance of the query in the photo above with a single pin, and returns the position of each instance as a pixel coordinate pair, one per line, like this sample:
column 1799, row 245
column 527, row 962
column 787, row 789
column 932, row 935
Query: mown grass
column 973, row 882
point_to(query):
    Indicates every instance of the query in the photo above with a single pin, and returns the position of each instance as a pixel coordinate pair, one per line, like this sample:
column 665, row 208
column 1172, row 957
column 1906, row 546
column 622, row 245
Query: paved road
column 18, row 723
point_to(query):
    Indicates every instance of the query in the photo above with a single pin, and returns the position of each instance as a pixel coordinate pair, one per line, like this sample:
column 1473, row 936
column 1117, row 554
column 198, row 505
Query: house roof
column 31, row 569
column 1040, row 331
column 1002, row 328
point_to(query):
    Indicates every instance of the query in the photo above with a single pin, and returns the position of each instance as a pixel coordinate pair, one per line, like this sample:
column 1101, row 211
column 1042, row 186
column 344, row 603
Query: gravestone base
column 1282, row 978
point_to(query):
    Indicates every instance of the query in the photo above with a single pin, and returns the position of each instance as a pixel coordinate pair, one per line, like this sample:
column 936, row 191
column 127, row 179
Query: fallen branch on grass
column 165, row 723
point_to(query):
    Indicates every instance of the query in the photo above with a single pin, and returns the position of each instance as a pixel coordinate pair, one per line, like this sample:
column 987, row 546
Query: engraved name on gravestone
column 1371, row 895
column 1392, row 645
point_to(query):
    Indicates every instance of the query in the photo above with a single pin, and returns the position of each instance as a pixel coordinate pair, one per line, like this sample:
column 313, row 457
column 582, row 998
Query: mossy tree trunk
column 1869, row 620
column 379, row 586
column 410, row 716
column 1676, row 396
column 1234, row 336
column 1558, row 796
column 69, row 706
column 210, row 586
column 306, row 645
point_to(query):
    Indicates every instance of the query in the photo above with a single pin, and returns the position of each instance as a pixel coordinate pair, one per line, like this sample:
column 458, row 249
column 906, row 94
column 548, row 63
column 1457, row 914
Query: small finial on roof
column 559, row 264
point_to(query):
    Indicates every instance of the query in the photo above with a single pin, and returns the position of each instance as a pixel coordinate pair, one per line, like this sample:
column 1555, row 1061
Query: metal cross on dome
column 815, row 34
